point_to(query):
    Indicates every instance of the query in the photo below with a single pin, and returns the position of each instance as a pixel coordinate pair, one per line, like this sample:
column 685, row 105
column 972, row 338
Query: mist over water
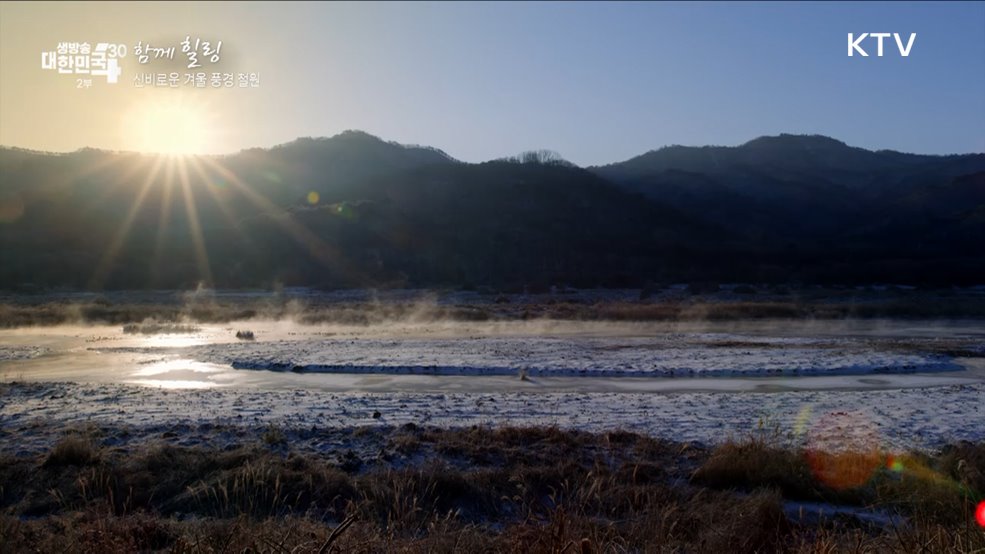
column 418, row 348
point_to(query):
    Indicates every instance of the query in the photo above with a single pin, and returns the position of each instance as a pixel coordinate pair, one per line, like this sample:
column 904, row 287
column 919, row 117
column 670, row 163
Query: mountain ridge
column 354, row 210
column 364, row 135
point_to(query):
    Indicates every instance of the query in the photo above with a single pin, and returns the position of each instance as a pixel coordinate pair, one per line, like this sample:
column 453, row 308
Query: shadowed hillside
column 354, row 211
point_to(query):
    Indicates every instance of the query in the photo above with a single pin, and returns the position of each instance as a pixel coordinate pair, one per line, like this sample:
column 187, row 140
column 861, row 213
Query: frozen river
column 914, row 384
column 491, row 357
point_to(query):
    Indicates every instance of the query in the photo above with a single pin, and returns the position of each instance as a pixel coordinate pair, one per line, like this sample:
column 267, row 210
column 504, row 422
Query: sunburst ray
column 325, row 254
column 121, row 234
column 194, row 225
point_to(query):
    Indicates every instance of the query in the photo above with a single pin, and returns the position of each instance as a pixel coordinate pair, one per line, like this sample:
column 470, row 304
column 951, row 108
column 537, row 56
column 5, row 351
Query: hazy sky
column 596, row 82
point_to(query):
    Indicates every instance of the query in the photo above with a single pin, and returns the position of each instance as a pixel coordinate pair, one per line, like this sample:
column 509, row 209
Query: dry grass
column 274, row 436
column 73, row 450
column 752, row 465
column 477, row 490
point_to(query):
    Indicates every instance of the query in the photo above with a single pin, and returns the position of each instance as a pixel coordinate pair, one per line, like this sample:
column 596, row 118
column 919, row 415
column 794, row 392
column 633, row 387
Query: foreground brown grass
column 484, row 490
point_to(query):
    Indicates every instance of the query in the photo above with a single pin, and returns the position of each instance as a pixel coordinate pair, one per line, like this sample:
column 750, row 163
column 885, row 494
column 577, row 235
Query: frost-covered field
column 32, row 414
column 889, row 384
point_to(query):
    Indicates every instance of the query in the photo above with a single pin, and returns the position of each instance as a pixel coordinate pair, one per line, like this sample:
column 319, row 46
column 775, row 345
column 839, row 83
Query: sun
column 173, row 127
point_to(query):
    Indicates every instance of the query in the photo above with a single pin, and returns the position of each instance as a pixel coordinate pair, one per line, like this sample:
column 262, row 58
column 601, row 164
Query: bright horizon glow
column 596, row 82
column 169, row 127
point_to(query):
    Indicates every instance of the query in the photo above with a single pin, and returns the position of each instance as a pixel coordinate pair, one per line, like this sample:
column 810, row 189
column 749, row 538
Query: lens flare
column 843, row 450
column 313, row 197
column 980, row 513
column 803, row 418
column 11, row 208
column 894, row 464
column 344, row 210
column 844, row 470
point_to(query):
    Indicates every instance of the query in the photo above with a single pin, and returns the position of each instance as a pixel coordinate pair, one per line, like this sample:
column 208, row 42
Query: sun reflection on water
column 179, row 373
column 175, row 383
column 173, row 366
column 173, row 340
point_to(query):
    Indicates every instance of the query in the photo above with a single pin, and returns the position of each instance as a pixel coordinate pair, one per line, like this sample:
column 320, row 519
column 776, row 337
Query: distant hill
column 817, row 196
column 792, row 153
column 495, row 223
column 355, row 210
column 328, row 165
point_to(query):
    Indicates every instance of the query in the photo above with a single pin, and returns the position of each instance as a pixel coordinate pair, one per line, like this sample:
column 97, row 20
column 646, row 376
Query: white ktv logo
column 855, row 43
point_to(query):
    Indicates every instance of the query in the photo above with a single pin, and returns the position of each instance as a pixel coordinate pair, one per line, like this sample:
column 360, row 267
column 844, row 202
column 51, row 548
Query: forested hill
column 354, row 210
